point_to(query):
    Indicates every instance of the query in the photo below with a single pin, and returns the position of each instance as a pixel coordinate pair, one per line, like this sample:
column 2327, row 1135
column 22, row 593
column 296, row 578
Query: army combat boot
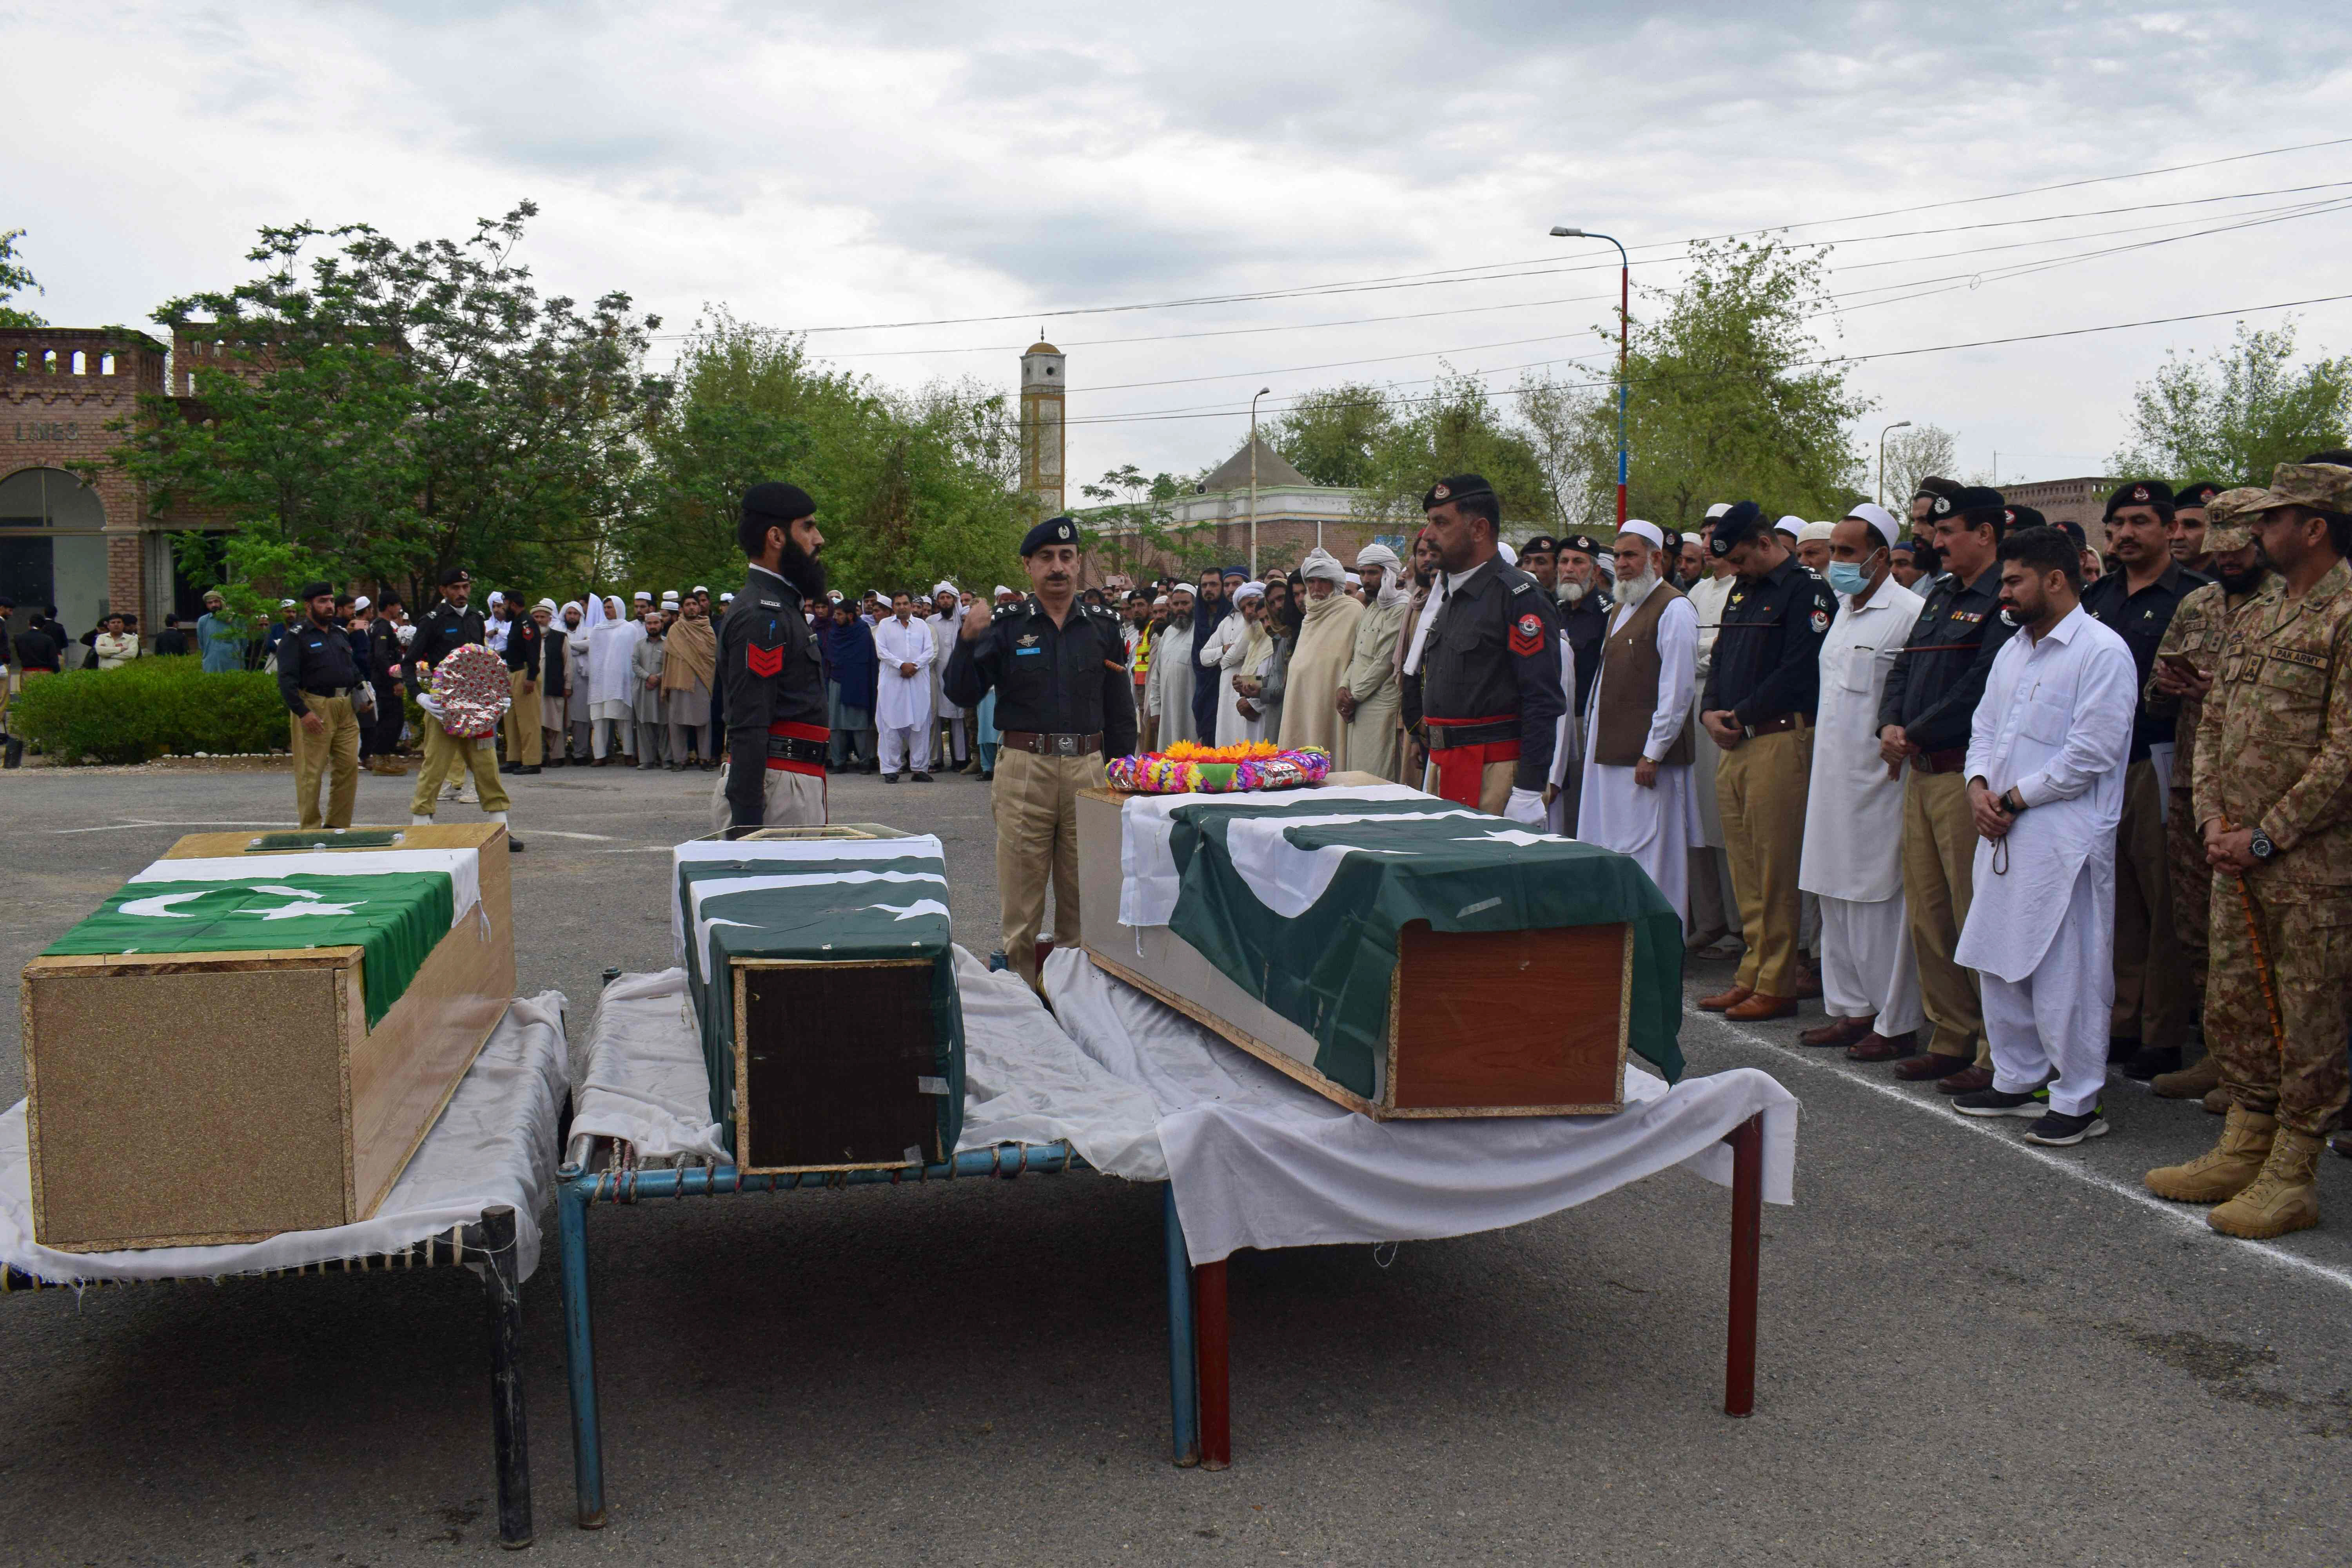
column 2224, row 1171
column 2192, row 1082
column 2284, row 1197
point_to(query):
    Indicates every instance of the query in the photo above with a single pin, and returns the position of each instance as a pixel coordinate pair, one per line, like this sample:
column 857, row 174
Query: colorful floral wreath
column 471, row 691
column 1186, row 768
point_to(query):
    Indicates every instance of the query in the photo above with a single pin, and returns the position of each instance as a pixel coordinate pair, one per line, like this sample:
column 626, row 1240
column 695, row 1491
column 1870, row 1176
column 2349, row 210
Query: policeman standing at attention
column 316, row 673
column 441, row 631
column 771, row 671
column 1064, row 701
column 1482, row 676
column 1583, row 613
column 1761, row 692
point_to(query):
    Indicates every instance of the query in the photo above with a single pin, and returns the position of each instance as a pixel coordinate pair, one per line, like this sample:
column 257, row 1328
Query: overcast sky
column 823, row 167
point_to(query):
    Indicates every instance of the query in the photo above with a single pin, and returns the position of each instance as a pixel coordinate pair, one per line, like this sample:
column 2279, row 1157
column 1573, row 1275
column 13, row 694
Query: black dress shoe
column 528, row 768
column 889, row 778
column 923, row 777
column 510, row 767
column 2150, row 1060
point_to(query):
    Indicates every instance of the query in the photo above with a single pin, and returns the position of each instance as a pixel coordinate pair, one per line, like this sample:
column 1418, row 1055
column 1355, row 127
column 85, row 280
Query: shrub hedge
column 150, row 708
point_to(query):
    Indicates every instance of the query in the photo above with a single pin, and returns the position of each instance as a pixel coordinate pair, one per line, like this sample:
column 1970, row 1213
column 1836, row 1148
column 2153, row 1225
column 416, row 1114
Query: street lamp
column 1625, row 317
column 1898, row 425
column 1254, row 398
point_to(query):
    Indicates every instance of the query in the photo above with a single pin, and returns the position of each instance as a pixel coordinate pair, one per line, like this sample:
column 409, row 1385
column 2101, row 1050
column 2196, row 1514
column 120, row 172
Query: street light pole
column 1898, row 425
column 1624, row 320
column 1261, row 392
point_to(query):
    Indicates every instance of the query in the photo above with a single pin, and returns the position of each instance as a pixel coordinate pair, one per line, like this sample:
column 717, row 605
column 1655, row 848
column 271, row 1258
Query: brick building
column 1294, row 515
column 92, row 548
column 2066, row 500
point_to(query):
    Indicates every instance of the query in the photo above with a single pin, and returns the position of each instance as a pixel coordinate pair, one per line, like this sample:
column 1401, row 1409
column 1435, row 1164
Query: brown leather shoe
column 1807, row 984
column 1967, row 1081
column 1837, row 1032
column 1726, row 1000
column 1760, row 1007
column 1878, row 1047
column 1918, row 1069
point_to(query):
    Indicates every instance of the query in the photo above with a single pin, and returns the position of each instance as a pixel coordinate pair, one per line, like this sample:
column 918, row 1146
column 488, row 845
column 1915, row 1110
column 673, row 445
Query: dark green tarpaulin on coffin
column 1327, row 968
column 816, row 908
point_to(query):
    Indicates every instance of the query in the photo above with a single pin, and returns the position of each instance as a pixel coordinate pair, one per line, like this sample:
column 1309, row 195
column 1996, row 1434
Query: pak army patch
column 1527, row 635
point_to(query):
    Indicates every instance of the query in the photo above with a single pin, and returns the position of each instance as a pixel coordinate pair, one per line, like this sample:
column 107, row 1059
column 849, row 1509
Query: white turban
column 497, row 598
column 1375, row 555
column 725, row 598
column 1642, row 530
column 285, row 603
column 942, row 586
column 1813, row 530
column 1718, row 510
column 1878, row 518
column 1004, row 593
column 1249, row 590
column 546, row 605
column 1510, row 556
column 1320, row 563
column 1792, row 525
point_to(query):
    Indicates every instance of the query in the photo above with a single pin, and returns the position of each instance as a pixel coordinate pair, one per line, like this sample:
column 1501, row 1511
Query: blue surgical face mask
column 1848, row 577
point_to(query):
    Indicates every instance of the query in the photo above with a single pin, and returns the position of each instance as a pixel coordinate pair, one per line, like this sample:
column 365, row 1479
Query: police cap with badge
column 1457, row 488
column 1744, row 522
column 2141, row 492
column 1582, row 542
column 1053, row 531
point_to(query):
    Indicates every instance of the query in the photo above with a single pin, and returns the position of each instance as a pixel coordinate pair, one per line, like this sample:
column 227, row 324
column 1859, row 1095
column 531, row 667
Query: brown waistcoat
column 1629, row 689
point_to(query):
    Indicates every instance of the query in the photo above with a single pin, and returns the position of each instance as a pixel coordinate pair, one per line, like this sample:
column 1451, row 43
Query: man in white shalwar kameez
column 946, row 620
column 2045, row 770
column 902, row 704
column 612, row 680
column 1852, row 859
column 1637, row 796
column 1169, row 684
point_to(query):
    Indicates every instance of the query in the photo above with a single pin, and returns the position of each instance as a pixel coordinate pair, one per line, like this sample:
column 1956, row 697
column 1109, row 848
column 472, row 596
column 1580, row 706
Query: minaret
column 1041, row 425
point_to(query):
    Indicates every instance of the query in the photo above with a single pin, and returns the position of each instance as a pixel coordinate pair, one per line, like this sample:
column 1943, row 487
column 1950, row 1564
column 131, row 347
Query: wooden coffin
column 1479, row 1023
column 196, row 1098
column 831, row 1023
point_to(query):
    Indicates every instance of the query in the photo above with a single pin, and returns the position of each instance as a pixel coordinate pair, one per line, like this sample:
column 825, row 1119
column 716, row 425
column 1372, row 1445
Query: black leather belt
column 1044, row 745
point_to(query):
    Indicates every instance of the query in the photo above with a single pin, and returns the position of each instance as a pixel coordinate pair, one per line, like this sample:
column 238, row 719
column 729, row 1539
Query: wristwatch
column 2259, row 846
column 2011, row 807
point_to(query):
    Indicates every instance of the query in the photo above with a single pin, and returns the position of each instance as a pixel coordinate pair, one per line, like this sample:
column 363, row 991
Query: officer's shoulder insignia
column 1736, row 597
column 771, row 604
column 1821, row 620
column 1527, row 635
column 1521, row 587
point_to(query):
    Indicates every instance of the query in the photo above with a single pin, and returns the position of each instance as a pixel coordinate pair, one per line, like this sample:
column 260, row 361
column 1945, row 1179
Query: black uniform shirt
column 770, row 671
column 1938, row 679
column 384, row 650
column 2140, row 619
column 522, row 644
column 1586, row 622
column 440, row 631
column 316, row 659
column 1767, row 654
column 1493, row 653
column 1070, row 680
column 36, row 649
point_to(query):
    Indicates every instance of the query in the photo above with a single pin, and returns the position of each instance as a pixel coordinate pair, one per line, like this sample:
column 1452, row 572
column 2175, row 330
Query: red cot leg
column 1747, row 1143
column 1210, row 1326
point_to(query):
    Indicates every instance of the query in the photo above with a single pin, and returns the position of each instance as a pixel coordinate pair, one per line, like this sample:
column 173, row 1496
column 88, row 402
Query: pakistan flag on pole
column 1300, row 903
column 394, row 918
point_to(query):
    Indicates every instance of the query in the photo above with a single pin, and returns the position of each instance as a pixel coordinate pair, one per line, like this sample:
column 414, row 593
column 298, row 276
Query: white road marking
column 122, row 826
column 2186, row 1217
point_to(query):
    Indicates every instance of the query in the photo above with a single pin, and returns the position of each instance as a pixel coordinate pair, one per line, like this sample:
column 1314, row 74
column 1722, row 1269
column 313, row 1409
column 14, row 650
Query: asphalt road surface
column 1972, row 1351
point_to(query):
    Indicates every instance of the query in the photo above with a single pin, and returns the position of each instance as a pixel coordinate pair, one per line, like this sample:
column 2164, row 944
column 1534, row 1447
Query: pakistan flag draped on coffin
column 823, row 977
column 1302, row 902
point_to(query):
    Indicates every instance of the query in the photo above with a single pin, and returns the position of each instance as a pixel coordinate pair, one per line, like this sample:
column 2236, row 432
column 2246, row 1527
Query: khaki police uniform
column 316, row 674
column 439, row 631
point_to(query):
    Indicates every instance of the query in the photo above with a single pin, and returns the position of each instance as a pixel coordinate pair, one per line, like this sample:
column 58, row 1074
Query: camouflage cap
column 2223, row 532
column 2322, row 486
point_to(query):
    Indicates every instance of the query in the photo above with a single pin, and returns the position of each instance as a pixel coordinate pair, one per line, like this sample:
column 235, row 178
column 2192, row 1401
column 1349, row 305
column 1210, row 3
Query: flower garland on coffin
column 1187, row 768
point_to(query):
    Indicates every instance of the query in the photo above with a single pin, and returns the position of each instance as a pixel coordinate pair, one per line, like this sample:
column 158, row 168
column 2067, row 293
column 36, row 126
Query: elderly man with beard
column 1327, row 642
column 1368, row 694
column 1638, row 741
column 777, row 736
column 2137, row 603
column 553, row 663
column 1210, row 610
column 1414, row 758
column 944, row 615
column 578, row 711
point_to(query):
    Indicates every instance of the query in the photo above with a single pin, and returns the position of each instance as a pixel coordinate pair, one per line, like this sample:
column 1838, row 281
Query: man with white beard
column 1854, row 815
column 1169, row 687
column 946, row 620
column 1637, row 754
column 576, row 704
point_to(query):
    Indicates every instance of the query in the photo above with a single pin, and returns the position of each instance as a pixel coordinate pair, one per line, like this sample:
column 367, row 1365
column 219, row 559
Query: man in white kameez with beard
column 1637, row 796
column 1169, row 685
column 902, row 707
column 612, row 683
column 1370, row 696
column 577, row 709
column 1852, row 858
column 945, row 618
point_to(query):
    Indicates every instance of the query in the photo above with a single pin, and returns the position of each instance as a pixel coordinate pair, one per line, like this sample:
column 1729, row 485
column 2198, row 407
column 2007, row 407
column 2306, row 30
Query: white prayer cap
column 361, row 603
column 1375, row 555
column 1004, row 593
column 1813, row 530
column 670, row 601
column 1510, row 556
column 942, row 586
column 1320, row 563
column 546, row 605
column 1718, row 510
column 1249, row 590
column 700, row 589
column 285, row 603
column 1186, row 589
column 1642, row 530
column 641, row 593
column 1878, row 518
column 1160, row 602
column 725, row 598
column 1792, row 525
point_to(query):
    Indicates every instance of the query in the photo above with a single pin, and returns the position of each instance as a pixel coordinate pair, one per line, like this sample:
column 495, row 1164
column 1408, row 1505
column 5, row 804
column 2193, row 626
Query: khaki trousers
column 1035, row 800
column 1760, row 787
column 445, row 753
column 335, row 750
column 1939, row 856
column 522, row 721
column 791, row 800
column 2148, row 988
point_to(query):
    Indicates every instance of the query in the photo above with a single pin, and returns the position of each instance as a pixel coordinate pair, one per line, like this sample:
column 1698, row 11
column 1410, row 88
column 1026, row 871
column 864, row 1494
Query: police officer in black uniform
column 316, row 675
column 1065, row 700
column 1761, row 692
column 771, row 670
column 1585, row 618
column 1484, row 695
column 447, row 625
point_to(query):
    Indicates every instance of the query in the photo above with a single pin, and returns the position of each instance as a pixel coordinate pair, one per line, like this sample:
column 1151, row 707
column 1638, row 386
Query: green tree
column 15, row 278
column 1331, row 435
column 2233, row 415
column 1456, row 429
column 1133, row 524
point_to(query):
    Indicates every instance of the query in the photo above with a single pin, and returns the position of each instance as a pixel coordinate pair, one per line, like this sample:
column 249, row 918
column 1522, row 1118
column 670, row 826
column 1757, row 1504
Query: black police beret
column 316, row 591
column 1456, row 486
column 2139, row 492
column 2024, row 517
column 1543, row 542
column 782, row 502
column 1053, row 531
column 452, row 576
column 2196, row 492
column 1744, row 522
column 2072, row 531
column 1584, row 542
column 1968, row 497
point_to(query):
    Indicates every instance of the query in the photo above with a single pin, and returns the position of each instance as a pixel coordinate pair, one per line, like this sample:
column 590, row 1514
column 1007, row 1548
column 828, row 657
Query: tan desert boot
column 2284, row 1197
column 2217, row 1100
column 2194, row 1082
column 2224, row 1171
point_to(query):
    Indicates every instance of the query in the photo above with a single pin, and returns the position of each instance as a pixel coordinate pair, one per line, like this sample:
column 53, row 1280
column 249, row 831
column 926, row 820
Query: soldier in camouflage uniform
column 2196, row 633
column 2274, row 802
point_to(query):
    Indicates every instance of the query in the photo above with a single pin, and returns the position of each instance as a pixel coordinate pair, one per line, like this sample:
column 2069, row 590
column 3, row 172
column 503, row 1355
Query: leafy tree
column 2233, row 415
column 1456, row 429
column 1331, row 435
column 1913, row 455
column 15, row 277
column 1133, row 524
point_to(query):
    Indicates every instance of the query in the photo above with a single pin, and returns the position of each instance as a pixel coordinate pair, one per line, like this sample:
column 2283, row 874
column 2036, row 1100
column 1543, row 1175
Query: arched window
column 80, row 363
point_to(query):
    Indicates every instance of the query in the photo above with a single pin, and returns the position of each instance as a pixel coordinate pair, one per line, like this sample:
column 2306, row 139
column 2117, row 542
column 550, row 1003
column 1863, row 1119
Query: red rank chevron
column 1526, row 636
column 763, row 661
